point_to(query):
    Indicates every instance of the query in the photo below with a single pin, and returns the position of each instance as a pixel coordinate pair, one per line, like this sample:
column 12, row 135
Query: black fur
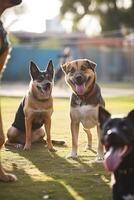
column 119, row 133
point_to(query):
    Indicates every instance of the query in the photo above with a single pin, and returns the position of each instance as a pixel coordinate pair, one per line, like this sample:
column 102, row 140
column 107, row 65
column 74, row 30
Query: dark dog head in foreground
column 80, row 75
column 117, row 135
column 41, row 81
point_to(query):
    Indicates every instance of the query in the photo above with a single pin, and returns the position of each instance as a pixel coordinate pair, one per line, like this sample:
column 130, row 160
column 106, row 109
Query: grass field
column 45, row 175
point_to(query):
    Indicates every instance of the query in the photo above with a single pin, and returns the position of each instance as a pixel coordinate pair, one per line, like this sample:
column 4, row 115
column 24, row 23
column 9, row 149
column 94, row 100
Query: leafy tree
column 112, row 13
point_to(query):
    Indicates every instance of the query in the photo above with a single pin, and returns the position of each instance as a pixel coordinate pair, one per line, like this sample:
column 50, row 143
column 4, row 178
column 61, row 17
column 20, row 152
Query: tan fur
column 4, row 4
column 78, row 65
column 37, row 110
column 82, row 110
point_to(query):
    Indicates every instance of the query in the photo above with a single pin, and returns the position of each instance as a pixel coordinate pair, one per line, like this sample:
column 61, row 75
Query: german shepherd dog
column 35, row 111
column 117, row 135
column 80, row 75
column 4, row 52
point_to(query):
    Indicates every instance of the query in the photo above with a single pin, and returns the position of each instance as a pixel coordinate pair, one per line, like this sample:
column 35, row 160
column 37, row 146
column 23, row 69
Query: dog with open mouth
column 35, row 111
column 86, row 98
column 117, row 135
column 4, row 55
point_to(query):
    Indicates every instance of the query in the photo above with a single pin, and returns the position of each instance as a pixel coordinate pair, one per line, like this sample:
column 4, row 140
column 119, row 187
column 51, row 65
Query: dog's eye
column 72, row 70
column 40, row 78
column 83, row 68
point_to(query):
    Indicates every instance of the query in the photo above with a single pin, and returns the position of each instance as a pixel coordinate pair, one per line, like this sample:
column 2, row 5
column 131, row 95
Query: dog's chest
column 39, row 118
column 86, row 114
column 39, row 115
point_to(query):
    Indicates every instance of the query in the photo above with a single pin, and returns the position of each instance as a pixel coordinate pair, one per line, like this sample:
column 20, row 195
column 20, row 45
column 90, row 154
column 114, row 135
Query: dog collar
column 3, row 35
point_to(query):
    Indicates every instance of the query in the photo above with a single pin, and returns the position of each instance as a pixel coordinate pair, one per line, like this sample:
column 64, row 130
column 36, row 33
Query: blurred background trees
column 112, row 14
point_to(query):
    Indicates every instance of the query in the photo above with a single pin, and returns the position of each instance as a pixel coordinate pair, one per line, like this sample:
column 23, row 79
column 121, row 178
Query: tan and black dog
column 4, row 52
column 80, row 75
column 35, row 111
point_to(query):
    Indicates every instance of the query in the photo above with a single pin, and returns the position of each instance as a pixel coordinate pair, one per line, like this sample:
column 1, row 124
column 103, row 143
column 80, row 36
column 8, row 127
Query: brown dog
column 35, row 111
column 81, row 77
column 4, row 51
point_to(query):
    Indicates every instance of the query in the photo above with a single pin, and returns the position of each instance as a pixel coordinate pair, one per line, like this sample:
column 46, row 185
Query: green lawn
column 45, row 175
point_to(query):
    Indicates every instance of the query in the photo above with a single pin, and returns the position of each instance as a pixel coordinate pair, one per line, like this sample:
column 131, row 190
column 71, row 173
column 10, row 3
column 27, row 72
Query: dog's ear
column 103, row 116
column 131, row 116
column 50, row 69
column 91, row 64
column 34, row 70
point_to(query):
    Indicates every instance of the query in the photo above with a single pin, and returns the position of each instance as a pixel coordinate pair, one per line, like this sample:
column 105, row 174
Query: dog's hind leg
column 100, row 150
column 38, row 135
column 15, row 138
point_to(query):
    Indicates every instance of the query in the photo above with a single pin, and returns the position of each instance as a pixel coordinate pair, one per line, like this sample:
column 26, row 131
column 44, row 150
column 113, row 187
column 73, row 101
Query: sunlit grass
column 45, row 175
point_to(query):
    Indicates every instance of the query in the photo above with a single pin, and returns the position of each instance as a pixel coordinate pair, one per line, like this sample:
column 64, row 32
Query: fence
column 114, row 62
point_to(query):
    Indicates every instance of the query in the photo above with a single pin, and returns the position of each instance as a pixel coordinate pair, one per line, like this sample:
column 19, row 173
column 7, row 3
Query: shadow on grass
column 57, row 178
column 26, row 188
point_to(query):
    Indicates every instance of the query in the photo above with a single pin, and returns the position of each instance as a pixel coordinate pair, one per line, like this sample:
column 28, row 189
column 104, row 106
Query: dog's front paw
column 27, row 147
column 6, row 177
column 72, row 155
column 99, row 157
column 88, row 147
column 52, row 149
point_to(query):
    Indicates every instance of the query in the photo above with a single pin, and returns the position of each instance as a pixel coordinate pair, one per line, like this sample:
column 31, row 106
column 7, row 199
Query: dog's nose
column 79, row 79
column 46, row 86
column 112, row 131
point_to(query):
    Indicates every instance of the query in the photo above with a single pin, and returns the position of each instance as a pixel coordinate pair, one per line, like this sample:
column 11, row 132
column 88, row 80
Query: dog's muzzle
column 79, row 79
column 44, row 87
column 79, row 83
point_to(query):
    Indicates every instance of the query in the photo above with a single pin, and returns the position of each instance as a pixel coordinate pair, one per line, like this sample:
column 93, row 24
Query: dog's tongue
column 46, row 93
column 113, row 158
column 80, row 89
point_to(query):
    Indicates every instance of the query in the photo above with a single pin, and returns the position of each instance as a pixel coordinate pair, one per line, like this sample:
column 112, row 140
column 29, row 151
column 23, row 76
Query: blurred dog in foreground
column 117, row 135
column 80, row 75
column 4, row 52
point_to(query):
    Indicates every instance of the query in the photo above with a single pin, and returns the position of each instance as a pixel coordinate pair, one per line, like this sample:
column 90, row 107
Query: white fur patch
column 86, row 114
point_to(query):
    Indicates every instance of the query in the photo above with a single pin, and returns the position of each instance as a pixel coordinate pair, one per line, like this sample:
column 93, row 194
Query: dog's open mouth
column 113, row 157
column 80, row 89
